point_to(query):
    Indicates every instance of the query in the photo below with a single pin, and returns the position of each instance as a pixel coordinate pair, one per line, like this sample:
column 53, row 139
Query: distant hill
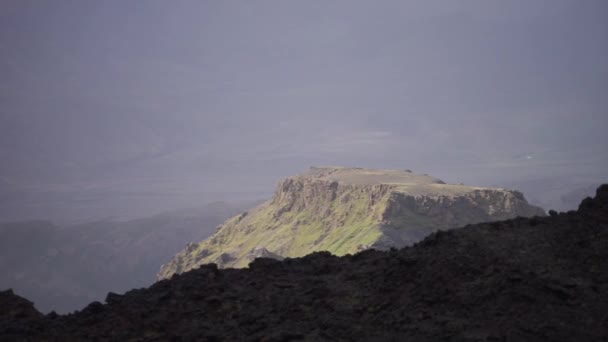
column 345, row 210
column 64, row 268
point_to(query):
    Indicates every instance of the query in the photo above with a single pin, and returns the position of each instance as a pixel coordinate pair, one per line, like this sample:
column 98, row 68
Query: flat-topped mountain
column 345, row 210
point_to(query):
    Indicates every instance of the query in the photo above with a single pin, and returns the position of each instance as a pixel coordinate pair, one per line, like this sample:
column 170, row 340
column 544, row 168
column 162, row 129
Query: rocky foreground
column 525, row 279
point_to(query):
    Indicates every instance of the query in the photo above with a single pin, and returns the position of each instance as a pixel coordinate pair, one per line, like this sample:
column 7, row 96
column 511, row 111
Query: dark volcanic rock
column 18, row 317
column 261, row 252
column 539, row 279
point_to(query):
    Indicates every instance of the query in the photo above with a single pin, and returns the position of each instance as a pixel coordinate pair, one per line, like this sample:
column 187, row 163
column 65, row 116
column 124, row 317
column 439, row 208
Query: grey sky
column 183, row 97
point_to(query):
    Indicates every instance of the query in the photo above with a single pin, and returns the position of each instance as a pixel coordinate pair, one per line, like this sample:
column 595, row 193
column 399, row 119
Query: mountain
column 524, row 279
column 64, row 268
column 345, row 210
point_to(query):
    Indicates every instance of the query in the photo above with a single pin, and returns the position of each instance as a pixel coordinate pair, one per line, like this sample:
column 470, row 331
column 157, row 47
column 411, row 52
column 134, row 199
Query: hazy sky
column 181, row 97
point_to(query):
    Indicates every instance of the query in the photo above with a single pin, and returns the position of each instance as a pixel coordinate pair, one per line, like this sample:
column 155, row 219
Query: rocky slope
column 345, row 210
column 65, row 268
column 537, row 279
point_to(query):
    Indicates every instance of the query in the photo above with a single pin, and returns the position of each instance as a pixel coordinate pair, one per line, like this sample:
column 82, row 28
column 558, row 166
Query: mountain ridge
column 345, row 210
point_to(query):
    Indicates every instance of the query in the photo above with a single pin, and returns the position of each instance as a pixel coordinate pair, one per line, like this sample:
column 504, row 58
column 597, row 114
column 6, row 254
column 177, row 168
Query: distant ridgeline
column 65, row 268
column 346, row 210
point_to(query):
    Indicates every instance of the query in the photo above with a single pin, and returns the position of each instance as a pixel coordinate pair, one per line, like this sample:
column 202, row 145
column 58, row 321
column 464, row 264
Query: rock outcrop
column 261, row 252
column 345, row 210
column 525, row 279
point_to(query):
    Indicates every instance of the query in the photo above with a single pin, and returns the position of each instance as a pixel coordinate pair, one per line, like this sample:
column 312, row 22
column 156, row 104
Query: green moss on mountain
column 344, row 210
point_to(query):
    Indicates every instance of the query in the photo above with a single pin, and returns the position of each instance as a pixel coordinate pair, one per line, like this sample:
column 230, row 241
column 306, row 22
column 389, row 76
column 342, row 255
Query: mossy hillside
column 346, row 210
column 338, row 223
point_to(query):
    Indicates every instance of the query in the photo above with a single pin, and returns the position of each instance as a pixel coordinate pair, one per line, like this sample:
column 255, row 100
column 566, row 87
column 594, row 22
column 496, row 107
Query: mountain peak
column 342, row 210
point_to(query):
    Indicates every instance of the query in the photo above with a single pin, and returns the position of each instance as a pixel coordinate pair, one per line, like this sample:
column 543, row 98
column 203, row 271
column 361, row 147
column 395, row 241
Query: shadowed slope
column 65, row 268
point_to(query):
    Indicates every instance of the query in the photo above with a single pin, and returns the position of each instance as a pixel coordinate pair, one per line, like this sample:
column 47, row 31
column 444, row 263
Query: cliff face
column 345, row 210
